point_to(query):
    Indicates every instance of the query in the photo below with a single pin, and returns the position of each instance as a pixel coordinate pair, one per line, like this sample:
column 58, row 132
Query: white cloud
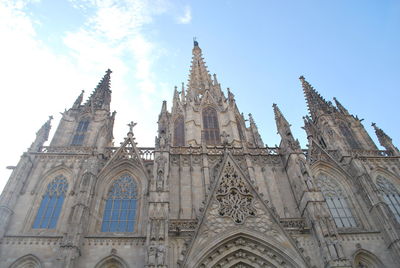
column 186, row 18
column 37, row 82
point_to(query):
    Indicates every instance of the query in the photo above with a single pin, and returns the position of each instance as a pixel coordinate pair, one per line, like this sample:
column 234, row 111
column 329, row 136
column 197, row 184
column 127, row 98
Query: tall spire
column 41, row 136
column 284, row 131
column 315, row 102
column 101, row 96
column 341, row 107
column 199, row 77
column 282, row 124
column 257, row 137
column 385, row 140
column 78, row 101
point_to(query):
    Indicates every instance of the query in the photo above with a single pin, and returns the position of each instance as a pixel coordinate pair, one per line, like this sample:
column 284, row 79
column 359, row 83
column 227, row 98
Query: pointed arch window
column 179, row 132
column 80, row 132
column 336, row 201
column 390, row 194
column 349, row 136
column 51, row 204
column 239, row 127
column 120, row 208
column 211, row 126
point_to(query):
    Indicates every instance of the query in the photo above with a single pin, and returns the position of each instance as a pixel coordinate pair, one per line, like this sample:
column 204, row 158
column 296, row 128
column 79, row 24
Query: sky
column 50, row 50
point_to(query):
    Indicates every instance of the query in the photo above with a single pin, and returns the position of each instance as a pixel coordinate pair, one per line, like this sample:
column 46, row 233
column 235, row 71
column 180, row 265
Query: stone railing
column 146, row 153
column 179, row 226
column 67, row 149
column 361, row 152
column 294, row 224
column 219, row 150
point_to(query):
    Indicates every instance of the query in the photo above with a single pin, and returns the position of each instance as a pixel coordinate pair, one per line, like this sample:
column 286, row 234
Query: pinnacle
column 316, row 103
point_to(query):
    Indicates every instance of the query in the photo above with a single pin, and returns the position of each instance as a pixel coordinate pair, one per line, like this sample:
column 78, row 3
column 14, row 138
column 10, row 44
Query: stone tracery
column 234, row 198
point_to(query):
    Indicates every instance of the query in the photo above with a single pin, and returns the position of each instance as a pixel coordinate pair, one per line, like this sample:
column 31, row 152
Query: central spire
column 317, row 105
column 199, row 77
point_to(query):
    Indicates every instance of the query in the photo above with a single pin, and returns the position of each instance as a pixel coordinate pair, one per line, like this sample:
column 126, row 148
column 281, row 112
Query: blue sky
column 51, row 50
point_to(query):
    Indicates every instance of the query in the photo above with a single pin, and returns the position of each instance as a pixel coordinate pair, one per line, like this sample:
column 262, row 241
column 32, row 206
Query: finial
column 50, row 117
column 131, row 125
column 108, row 71
column 195, row 43
column 302, row 78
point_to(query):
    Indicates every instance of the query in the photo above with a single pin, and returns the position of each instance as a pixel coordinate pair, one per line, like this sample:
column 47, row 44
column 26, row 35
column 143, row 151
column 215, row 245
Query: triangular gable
column 127, row 151
column 235, row 216
column 208, row 99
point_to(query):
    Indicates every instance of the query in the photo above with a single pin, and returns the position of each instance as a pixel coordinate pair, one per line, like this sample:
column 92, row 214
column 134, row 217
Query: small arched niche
column 112, row 262
column 365, row 259
column 27, row 261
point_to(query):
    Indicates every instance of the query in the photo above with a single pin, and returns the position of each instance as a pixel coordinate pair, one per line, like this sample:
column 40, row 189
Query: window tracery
column 80, row 132
column 234, row 198
column 210, row 126
column 51, row 204
column 390, row 194
column 120, row 208
column 336, row 201
column 179, row 132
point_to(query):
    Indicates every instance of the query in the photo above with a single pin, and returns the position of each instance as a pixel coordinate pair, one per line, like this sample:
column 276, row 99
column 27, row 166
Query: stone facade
column 209, row 194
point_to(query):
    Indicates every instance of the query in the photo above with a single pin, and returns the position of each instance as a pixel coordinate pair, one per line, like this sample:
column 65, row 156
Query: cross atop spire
column 317, row 105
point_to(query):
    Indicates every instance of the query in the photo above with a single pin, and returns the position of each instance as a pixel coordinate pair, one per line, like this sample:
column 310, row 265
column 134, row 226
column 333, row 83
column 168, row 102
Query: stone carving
column 234, row 197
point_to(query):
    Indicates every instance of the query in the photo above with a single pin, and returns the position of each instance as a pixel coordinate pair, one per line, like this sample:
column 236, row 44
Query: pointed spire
column 341, row 107
column 284, row 131
column 78, row 101
column 176, row 94
column 199, row 77
column 101, row 96
column 385, row 140
column 41, row 136
column 183, row 97
column 253, row 127
column 317, row 105
column 282, row 124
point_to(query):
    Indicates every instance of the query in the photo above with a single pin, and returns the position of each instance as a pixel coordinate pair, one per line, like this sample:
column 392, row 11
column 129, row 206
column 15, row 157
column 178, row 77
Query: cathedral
column 210, row 193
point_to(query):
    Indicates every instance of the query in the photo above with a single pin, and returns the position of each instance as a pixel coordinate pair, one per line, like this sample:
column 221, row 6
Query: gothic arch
column 112, row 261
column 341, row 196
column 39, row 190
column 179, row 131
column 389, row 191
column 27, row 261
column 106, row 180
column 210, row 125
column 245, row 247
column 367, row 259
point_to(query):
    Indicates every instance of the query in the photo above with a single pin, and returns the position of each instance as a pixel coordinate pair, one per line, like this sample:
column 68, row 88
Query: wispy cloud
column 111, row 36
column 186, row 18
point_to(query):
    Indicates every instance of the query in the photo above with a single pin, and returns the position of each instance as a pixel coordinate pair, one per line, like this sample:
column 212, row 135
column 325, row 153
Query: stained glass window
column 51, row 205
column 120, row 208
column 80, row 132
column 211, row 127
column 179, row 132
column 336, row 201
column 390, row 194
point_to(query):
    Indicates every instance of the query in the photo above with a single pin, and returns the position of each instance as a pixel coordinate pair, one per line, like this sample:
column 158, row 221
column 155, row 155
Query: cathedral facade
column 208, row 194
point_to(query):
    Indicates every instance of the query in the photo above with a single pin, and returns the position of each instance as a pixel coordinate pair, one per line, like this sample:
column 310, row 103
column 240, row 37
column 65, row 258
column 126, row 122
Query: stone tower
column 208, row 194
